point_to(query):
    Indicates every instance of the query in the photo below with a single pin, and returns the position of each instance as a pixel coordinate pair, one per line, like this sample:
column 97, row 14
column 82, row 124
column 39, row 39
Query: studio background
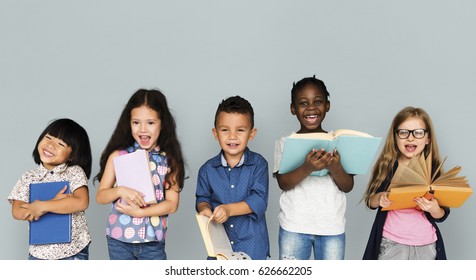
column 83, row 60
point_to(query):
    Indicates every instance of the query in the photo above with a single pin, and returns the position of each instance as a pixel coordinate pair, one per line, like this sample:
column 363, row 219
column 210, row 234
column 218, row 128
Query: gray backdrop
column 83, row 60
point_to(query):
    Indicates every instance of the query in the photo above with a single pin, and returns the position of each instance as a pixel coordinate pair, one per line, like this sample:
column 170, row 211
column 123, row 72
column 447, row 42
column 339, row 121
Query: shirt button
column 229, row 169
column 232, row 186
column 232, row 242
column 231, row 226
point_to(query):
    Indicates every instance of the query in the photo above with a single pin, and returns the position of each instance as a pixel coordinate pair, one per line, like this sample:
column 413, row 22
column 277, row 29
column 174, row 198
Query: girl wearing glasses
column 406, row 233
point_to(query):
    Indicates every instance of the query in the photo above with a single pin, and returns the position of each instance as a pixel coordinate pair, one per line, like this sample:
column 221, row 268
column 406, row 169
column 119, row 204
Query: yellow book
column 216, row 240
column 416, row 179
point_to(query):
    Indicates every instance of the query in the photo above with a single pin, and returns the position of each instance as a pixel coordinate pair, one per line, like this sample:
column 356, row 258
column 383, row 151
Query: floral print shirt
column 80, row 236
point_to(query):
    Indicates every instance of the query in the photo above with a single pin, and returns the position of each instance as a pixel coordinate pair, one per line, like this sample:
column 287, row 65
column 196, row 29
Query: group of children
column 232, row 187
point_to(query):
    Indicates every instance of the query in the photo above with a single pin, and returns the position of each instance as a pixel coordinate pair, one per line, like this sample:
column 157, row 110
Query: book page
column 350, row 132
column 315, row 135
column 214, row 236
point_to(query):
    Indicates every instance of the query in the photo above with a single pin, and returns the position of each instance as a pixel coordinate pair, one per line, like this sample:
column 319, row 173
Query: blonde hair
column 383, row 167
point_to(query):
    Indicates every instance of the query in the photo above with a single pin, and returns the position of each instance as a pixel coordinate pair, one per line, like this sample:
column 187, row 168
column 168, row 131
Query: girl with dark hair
column 135, row 230
column 63, row 153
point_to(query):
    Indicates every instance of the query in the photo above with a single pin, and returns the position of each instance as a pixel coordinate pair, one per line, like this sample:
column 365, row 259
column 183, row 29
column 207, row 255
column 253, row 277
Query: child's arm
column 379, row 199
column 60, row 204
column 18, row 210
column 165, row 207
column 344, row 181
column 223, row 212
column 107, row 193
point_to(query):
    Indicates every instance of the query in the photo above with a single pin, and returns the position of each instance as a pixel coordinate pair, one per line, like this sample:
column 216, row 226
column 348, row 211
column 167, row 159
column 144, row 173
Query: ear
column 215, row 133
column 293, row 110
column 328, row 106
column 253, row 133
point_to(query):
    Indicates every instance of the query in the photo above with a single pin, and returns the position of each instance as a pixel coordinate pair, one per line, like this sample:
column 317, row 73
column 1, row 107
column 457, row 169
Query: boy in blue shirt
column 232, row 187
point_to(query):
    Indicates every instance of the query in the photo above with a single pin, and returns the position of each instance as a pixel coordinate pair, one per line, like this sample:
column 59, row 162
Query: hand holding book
column 417, row 178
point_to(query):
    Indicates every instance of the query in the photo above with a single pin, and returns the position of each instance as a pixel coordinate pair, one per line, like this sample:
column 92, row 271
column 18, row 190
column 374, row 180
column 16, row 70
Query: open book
column 416, row 179
column 51, row 227
column 357, row 150
column 132, row 171
column 216, row 240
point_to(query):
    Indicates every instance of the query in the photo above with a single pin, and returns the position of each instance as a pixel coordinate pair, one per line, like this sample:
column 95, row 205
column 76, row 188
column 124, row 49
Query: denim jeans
column 81, row 256
column 119, row 250
column 298, row 246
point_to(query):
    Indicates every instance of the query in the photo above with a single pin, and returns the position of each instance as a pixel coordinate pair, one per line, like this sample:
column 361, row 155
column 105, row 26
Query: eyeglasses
column 405, row 133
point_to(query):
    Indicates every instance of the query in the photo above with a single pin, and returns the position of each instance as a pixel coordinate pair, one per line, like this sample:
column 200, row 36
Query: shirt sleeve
column 202, row 193
column 258, row 198
column 20, row 191
column 78, row 178
column 278, row 152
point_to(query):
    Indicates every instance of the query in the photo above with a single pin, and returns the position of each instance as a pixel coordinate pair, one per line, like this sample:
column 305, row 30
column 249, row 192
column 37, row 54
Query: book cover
column 416, row 179
column 214, row 236
column 357, row 150
column 51, row 227
column 132, row 171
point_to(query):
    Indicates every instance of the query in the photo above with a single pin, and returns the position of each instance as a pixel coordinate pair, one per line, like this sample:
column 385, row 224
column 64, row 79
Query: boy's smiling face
column 233, row 131
column 310, row 107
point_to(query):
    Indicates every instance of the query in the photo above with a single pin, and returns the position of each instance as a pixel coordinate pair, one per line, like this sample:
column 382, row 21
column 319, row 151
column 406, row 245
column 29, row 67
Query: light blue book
column 357, row 150
column 51, row 227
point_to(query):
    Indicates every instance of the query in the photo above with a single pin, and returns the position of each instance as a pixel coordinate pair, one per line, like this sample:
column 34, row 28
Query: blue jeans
column 119, row 250
column 81, row 256
column 298, row 246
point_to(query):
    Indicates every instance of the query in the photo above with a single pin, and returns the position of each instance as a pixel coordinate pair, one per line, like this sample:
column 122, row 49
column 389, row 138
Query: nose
column 232, row 135
column 143, row 127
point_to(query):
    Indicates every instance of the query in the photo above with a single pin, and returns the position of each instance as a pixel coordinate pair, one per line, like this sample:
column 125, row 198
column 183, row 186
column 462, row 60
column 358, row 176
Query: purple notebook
column 132, row 171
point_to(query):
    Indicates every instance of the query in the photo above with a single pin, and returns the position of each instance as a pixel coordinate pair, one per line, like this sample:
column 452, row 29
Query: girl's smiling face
column 145, row 127
column 53, row 151
column 411, row 146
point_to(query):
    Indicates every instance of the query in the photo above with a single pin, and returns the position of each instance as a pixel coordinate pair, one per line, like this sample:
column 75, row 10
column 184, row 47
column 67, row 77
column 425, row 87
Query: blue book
column 357, row 150
column 51, row 227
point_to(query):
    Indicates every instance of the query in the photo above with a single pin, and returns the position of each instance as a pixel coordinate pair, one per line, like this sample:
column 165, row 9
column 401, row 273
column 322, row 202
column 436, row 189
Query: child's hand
column 129, row 208
column 220, row 214
column 61, row 194
column 33, row 211
column 206, row 212
column 432, row 206
column 383, row 200
column 318, row 159
column 132, row 197
column 334, row 162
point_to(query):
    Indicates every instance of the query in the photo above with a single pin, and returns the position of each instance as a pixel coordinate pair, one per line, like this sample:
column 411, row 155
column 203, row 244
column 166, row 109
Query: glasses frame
column 412, row 132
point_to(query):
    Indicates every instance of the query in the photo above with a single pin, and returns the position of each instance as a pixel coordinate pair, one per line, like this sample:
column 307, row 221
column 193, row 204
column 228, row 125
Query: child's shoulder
column 254, row 156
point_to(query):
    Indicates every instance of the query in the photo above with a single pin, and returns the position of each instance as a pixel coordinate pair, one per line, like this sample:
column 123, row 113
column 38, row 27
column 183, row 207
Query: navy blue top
column 219, row 184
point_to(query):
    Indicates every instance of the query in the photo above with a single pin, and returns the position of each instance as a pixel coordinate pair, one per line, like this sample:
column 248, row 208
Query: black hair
column 168, row 141
column 308, row 81
column 74, row 136
column 235, row 104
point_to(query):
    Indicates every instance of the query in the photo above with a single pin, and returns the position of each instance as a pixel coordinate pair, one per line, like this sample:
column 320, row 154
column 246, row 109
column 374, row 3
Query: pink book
column 132, row 171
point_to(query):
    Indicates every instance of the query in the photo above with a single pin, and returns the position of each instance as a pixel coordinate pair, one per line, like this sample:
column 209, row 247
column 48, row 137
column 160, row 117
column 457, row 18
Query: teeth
column 312, row 117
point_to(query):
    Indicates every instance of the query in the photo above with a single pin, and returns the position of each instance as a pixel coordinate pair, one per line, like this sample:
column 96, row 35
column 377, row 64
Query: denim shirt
column 142, row 229
column 219, row 184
